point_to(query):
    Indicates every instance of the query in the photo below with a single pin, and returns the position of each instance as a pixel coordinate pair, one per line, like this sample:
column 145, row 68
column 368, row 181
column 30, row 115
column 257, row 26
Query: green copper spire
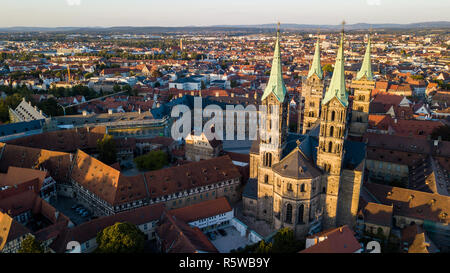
column 366, row 68
column 276, row 83
column 337, row 85
column 316, row 67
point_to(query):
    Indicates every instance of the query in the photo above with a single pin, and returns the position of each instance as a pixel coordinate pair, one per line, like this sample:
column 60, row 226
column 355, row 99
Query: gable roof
column 202, row 210
column 338, row 240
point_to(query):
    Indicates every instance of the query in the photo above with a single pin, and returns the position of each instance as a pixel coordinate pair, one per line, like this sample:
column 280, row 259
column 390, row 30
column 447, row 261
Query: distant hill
column 229, row 28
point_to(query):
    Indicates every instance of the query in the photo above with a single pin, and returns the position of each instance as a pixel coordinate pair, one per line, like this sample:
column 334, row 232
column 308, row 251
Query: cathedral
column 311, row 181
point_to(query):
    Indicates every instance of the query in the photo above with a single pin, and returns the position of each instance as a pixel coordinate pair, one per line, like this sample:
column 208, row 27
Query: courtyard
column 232, row 240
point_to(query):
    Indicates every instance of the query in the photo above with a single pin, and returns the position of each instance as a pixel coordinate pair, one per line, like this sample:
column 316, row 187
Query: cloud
column 73, row 2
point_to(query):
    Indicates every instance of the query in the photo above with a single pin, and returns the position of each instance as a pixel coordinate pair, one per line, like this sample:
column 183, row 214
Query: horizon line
column 222, row 25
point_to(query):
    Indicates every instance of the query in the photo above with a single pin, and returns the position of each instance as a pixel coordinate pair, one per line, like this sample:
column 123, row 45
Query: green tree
column 107, row 150
column 328, row 68
column 31, row 245
column 263, row 247
column 284, row 242
column 117, row 88
column 154, row 160
column 120, row 238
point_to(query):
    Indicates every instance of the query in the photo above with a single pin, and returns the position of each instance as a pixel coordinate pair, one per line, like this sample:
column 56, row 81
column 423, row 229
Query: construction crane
column 69, row 80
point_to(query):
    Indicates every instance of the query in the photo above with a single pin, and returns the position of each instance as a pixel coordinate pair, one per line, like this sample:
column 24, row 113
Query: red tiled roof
column 202, row 210
column 339, row 240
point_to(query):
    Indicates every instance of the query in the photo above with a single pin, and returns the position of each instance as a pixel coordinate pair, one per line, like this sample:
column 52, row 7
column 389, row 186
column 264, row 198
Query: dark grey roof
column 296, row 165
column 20, row 127
column 251, row 189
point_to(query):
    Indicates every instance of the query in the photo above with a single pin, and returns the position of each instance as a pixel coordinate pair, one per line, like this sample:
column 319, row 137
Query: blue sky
column 56, row 13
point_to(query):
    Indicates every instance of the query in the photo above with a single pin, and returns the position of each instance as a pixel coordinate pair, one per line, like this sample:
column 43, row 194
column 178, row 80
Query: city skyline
column 97, row 13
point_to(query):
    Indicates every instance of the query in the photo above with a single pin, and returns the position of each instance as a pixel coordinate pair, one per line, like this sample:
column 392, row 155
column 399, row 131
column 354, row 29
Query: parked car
column 222, row 232
column 211, row 236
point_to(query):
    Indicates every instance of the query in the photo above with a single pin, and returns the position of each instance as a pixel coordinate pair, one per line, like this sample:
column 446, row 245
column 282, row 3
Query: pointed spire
column 316, row 67
column 276, row 83
column 337, row 85
column 366, row 67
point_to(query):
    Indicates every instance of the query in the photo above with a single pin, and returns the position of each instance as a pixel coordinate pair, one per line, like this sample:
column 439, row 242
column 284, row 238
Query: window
column 333, row 115
column 288, row 213
column 301, row 210
column 303, row 188
column 331, row 131
column 330, row 146
column 266, row 179
column 289, row 187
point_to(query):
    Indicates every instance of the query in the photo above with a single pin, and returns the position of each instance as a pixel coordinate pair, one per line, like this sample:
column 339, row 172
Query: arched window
column 331, row 131
column 303, row 188
column 330, row 147
column 360, row 108
column 288, row 213
column 270, row 160
column 266, row 179
column 333, row 115
column 301, row 210
column 289, row 187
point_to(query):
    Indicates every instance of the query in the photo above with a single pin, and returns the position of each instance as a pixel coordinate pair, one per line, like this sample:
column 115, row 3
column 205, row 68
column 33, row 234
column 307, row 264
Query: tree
column 284, row 242
column 154, row 160
column 107, row 149
column 328, row 68
column 441, row 131
column 116, row 88
column 263, row 247
column 120, row 238
column 31, row 245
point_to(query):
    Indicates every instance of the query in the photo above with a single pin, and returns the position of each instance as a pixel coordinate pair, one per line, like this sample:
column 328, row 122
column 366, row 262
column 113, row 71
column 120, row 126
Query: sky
column 90, row 13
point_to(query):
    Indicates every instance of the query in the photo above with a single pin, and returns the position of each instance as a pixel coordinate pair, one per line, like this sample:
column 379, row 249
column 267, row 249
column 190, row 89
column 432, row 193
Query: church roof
column 296, row 165
column 366, row 68
column 337, row 85
column 316, row 67
column 276, row 84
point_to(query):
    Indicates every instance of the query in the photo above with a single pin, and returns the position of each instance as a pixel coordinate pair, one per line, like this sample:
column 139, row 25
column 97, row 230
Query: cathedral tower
column 333, row 120
column 363, row 85
column 312, row 91
column 273, row 136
